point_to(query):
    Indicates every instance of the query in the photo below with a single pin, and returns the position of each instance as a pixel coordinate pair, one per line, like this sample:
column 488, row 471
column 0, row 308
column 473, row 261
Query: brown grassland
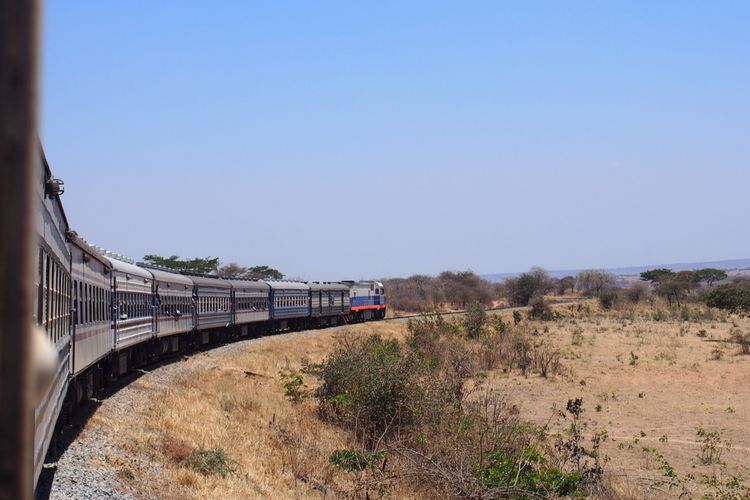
column 648, row 379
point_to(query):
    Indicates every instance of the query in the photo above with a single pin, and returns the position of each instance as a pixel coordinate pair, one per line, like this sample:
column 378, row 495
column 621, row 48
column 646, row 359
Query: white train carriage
column 92, row 311
column 290, row 304
column 329, row 303
column 133, row 311
column 213, row 303
column 173, row 301
column 251, row 304
column 52, row 302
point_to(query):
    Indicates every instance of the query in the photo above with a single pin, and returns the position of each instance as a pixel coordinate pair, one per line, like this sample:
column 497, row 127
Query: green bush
column 608, row 298
column 355, row 461
column 540, row 310
column 372, row 386
column 733, row 297
column 208, row 462
column 527, row 473
column 475, row 319
column 294, row 386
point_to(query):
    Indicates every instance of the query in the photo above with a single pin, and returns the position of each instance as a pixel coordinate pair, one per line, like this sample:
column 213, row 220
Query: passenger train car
column 106, row 315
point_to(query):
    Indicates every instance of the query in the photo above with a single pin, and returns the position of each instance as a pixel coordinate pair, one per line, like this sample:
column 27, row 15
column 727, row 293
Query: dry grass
column 674, row 386
column 234, row 401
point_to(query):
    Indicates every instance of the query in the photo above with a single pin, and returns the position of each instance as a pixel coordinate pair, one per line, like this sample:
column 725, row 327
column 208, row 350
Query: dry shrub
column 546, row 360
column 742, row 339
column 414, row 417
column 638, row 292
column 174, row 448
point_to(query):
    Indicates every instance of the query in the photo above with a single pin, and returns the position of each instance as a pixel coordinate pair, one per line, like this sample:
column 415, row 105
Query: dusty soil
column 656, row 399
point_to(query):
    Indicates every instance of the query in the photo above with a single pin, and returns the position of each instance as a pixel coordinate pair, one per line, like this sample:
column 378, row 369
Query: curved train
column 105, row 315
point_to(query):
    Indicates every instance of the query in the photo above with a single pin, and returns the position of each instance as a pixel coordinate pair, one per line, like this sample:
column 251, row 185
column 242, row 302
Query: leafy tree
column 709, row 275
column 734, row 297
column 656, row 275
column 565, row 284
column 475, row 319
column 264, row 273
column 593, row 282
column 232, row 270
column 463, row 287
column 675, row 287
column 520, row 289
column 197, row 265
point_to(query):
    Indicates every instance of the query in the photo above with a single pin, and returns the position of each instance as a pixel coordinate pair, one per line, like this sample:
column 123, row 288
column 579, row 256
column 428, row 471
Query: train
column 106, row 315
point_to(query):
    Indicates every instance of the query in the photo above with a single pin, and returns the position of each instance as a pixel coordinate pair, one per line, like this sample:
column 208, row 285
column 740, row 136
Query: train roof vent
column 113, row 255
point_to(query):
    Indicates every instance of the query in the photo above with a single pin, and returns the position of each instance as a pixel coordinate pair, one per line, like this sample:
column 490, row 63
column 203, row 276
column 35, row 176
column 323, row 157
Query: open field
column 650, row 382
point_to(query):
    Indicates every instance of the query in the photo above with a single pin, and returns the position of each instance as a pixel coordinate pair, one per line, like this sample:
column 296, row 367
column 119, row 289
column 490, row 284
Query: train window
column 77, row 288
column 45, row 300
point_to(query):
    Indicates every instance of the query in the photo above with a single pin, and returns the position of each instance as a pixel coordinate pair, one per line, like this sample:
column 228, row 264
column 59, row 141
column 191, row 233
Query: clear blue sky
column 372, row 139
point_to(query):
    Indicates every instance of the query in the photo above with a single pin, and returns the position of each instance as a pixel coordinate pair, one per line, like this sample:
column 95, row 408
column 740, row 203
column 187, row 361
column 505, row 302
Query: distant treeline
column 447, row 290
column 211, row 266
column 454, row 290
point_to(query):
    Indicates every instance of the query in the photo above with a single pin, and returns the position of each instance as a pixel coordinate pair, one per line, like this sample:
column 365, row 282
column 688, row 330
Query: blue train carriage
column 132, row 313
column 53, row 303
column 367, row 300
column 251, row 305
column 290, row 305
column 173, row 308
column 329, row 304
column 213, row 306
column 92, row 317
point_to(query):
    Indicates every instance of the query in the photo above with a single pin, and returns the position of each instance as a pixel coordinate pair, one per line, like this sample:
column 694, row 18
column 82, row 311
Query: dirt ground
column 652, row 401
column 649, row 384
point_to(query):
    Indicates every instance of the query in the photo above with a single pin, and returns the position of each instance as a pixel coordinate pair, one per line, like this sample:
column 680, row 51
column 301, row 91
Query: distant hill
column 727, row 265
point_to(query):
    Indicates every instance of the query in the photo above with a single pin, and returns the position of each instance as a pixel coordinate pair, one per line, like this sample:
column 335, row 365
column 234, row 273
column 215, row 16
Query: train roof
column 206, row 281
column 167, row 277
column 363, row 283
column 287, row 285
column 249, row 284
column 127, row 268
column 83, row 245
column 327, row 286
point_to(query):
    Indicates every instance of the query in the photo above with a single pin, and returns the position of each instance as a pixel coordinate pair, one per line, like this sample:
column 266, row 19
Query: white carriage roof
column 328, row 286
column 167, row 277
column 90, row 250
column 206, row 281
column 124, row 267
column 249, row 284
column 287, row 285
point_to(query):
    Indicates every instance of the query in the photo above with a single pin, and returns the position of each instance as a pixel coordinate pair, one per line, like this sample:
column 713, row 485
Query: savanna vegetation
column 621, row 393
